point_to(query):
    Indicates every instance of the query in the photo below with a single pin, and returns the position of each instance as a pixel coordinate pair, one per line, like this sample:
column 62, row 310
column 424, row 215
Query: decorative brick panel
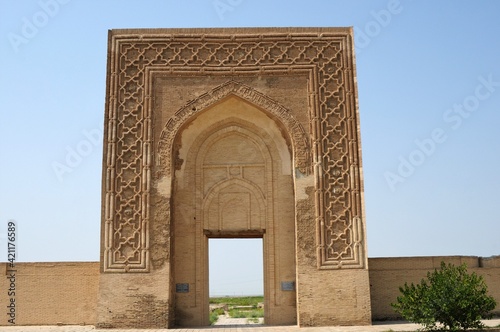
column 334, row 141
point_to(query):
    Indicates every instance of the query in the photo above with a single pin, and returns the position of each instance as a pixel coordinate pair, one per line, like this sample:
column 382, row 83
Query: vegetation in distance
column 238, row 300
column 238, row 307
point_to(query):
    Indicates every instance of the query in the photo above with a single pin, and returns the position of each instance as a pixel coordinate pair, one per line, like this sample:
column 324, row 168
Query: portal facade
column 232, row 133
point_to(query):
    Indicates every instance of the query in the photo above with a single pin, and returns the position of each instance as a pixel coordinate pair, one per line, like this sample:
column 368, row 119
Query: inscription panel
column 182, row 288
column 288, row 286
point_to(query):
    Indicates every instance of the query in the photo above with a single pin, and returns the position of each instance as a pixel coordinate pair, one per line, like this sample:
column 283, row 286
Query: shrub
column 449, row 297
column 214, row 317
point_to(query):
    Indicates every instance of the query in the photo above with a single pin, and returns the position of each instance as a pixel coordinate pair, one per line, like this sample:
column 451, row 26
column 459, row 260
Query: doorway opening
column 236, row 281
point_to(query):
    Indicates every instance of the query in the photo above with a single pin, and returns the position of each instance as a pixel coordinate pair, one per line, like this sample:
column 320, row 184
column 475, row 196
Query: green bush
column 214, row 317
column 219, row 311
column 449, row 298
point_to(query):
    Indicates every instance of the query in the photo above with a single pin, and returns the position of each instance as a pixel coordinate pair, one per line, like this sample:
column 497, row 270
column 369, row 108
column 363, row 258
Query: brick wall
column 66, row 292
column 51, row 293
column 388, row 274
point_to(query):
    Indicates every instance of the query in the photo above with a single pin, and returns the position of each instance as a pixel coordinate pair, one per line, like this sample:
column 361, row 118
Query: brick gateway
column 232, row 133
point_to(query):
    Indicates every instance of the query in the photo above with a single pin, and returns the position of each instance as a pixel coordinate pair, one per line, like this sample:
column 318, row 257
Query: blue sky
column 429, row 98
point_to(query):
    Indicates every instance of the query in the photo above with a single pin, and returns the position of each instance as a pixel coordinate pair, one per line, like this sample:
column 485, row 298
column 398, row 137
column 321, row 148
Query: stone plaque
column 182, row 288
column 287, row 285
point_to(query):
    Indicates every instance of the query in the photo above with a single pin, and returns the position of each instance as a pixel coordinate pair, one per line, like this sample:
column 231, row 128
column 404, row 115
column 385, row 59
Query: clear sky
column 429, row 98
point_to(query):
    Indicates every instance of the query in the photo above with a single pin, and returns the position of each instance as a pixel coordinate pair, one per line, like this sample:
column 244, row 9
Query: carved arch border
column 300, row 142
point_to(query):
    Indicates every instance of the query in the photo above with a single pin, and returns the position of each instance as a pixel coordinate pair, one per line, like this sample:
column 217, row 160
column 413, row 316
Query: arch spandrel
column 300, row 142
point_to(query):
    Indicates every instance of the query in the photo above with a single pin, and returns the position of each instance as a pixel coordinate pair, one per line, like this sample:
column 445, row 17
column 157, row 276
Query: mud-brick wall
column 388, row 274
column 49, row 293
column 66, row 292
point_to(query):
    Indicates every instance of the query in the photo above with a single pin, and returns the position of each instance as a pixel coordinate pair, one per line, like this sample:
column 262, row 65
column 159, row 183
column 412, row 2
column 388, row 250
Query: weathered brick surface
column 326, row 297
column 137, row 300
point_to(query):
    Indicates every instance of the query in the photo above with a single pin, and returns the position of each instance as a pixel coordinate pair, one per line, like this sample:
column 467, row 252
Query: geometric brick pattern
column 334, row 141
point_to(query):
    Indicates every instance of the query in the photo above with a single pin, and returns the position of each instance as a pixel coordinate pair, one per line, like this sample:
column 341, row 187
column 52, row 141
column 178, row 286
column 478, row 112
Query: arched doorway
column 232, row 178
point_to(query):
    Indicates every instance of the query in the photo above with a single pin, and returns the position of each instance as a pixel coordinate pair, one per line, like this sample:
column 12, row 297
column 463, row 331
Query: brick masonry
column 66, row 292
column 52, row 293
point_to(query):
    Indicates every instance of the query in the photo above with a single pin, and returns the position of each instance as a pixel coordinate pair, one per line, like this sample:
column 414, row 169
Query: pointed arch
column 300, row 142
